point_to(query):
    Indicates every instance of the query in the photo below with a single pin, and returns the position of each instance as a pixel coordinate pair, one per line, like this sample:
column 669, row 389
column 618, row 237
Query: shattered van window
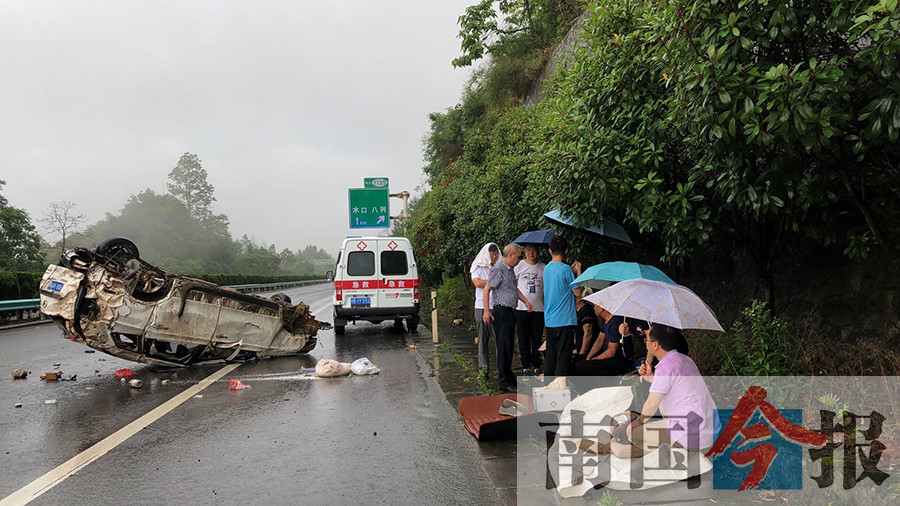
column 393, row 263
column 361, row 263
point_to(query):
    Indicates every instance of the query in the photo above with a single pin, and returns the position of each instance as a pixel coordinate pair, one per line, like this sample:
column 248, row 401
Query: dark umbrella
column 608, row 231
column 541, row 237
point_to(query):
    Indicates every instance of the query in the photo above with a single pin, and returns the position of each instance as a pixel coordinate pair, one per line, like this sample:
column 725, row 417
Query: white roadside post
column 434, row 324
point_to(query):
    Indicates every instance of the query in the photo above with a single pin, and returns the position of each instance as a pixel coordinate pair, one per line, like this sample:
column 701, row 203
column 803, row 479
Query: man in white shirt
column 480, row 270
column 530, row 324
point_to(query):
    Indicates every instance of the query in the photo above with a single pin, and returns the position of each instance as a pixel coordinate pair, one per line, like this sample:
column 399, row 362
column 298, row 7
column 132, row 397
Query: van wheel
column 338, row 330
column 412, row 323
column 118, row 249
column 281, row 297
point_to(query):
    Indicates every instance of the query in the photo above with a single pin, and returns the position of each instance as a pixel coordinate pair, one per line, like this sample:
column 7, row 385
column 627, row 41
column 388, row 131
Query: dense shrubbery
column 454, row 298
column 755, row 128
column 19, row 285
column 760, row 344
column 733, row 132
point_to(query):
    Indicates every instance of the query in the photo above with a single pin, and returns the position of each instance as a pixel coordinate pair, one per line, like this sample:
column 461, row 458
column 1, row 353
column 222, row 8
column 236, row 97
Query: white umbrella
column 657, row 302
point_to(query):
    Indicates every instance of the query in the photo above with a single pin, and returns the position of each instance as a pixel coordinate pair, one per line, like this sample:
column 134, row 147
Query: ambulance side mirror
column 329, row 276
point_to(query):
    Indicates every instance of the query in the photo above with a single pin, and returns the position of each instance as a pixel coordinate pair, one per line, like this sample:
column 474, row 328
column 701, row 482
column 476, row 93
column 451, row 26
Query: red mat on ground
column 481, row 416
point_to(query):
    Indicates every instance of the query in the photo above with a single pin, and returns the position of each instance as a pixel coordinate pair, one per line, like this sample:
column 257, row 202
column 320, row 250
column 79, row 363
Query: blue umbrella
column 609, row 230
column 535, row 237
column 600, row 276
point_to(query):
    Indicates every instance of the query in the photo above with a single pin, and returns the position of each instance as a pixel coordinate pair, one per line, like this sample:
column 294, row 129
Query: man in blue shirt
column 559, row 308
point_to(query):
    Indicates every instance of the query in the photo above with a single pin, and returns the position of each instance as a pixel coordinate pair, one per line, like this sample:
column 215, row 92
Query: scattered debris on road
column 457, row 322
column 237, row 385
column 89, row 351
column 50, row 401
column 362, row 367
column 124, row 373
column 51, row 376
column 19, row 374
column 165, row 382
column 327, row 368
column 135, row 383
column 18, row 404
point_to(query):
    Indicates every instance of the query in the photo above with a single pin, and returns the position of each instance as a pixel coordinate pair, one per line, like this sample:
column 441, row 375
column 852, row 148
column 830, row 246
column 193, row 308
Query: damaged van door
column 111, row 300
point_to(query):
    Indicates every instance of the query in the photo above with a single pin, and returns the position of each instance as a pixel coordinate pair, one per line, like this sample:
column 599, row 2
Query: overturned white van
column 376, row 279
column 111, row 300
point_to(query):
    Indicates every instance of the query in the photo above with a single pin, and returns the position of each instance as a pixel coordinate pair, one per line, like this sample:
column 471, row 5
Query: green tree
column 166, row 234
column 187, row 182
column 758, row 123
column 512, row 27
column 20, row 244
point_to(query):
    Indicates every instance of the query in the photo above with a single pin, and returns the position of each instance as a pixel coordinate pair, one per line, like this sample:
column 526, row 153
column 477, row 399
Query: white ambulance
column 376, row 279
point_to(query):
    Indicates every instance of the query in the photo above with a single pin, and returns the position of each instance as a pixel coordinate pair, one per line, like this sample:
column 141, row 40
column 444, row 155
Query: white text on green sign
column 369, row 208
column 375, row 182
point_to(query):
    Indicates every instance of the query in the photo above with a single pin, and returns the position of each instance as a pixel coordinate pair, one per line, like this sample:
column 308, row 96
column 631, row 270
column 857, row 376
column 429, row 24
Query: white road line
column 34, row 489
column 320, row 316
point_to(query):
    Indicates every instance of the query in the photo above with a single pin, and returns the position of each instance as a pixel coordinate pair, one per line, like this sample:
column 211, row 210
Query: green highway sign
column 376, row 182
column 369, row 207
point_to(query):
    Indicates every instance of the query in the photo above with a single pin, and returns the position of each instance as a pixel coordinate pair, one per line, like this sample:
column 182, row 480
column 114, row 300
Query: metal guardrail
column 270, row 287
column 14, row 311
column 18, row 305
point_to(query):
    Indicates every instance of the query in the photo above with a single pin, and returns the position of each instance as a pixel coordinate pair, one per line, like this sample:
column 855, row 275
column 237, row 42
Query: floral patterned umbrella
column 657, row 302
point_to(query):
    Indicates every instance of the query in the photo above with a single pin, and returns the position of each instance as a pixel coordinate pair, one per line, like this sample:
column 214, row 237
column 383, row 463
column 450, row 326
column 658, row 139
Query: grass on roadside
column 472, row 373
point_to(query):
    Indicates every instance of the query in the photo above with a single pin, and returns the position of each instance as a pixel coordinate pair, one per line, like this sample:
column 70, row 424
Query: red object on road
column 124, row 373
column 237, row 385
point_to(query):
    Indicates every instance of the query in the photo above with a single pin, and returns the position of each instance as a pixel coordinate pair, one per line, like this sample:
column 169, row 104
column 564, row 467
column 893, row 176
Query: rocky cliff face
column 560, row 56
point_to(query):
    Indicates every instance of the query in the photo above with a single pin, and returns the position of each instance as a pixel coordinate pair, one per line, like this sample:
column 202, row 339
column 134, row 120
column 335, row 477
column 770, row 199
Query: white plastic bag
column 327, row 368
column 362, row 367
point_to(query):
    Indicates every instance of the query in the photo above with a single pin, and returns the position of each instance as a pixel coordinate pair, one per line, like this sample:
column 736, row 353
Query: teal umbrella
column 608, row 230
column 600, row 276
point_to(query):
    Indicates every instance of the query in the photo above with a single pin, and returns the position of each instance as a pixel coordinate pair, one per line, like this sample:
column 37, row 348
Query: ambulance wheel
column 412, row 323
column 339, row 330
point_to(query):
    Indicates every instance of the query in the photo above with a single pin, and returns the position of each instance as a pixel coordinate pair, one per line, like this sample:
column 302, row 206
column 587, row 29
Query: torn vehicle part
column 112, row 301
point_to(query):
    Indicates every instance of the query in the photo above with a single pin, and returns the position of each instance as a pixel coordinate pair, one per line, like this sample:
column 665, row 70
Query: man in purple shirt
column 677, row 390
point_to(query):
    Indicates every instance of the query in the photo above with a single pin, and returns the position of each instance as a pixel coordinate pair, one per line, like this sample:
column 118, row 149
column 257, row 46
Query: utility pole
column 404, row 196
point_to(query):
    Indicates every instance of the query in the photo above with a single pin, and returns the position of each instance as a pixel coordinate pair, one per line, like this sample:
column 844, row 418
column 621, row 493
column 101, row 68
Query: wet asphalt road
column 290, row 439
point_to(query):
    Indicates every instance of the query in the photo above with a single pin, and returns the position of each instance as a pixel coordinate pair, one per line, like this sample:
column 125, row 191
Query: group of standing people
column 585, row 339
column 532, row 297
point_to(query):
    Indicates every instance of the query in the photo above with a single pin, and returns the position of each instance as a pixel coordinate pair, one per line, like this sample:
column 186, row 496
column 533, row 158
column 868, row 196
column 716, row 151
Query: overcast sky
column 287, row 103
